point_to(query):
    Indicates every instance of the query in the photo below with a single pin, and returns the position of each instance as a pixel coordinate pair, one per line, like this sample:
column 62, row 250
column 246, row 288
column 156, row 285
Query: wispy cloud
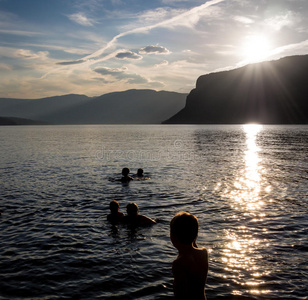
column 19, row 32
column 81, row 19
column 78, row 51
column 280, row 21
column 154, row 49
column 74, row 62
column 128, row 55
column 22, row 53
column 7, row 18
column 244, row 20
column 300, row 48
column 177, row 20
column 156, row 15
column 122, row 74
column 27, row 54
column 5, row 67
column 162, row 64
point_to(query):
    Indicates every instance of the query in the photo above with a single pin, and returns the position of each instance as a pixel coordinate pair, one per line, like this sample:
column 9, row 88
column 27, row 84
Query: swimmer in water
column 140, row 173
column 133, row 217
column 115, row 215
column 125, row 177
column 191, row 266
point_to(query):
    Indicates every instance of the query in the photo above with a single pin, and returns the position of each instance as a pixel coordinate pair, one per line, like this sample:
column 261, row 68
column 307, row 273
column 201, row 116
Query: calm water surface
column 246, row 184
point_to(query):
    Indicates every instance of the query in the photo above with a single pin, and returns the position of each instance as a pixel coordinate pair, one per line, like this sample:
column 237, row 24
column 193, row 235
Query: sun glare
column 256, row 48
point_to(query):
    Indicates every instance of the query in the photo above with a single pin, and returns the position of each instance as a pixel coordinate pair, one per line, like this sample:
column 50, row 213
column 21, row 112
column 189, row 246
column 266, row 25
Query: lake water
column 247, row 184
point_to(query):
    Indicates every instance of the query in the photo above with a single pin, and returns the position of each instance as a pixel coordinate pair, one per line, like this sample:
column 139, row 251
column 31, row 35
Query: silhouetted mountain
column 19, row 121
column 129, row 107
column 274, row 92
column 38, row 108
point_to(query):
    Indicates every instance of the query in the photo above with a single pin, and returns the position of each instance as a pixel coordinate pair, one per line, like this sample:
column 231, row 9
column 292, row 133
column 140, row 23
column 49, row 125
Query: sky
column 94, row 47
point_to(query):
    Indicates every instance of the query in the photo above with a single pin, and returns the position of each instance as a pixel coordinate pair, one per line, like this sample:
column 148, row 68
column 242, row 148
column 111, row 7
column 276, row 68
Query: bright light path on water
column 241, row 254
column 247, row 186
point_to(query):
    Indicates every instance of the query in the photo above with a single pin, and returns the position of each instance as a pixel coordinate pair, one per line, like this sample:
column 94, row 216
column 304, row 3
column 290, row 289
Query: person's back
column 191, row 266
column 190, row 273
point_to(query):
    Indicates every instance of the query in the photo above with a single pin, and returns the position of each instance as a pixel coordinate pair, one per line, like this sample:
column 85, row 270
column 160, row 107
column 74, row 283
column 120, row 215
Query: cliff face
column 274, row 92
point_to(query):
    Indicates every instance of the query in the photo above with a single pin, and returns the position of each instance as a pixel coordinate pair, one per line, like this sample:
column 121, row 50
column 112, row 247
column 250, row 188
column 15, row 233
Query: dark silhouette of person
column 191, row 266
column 133, row 217
column 140, row 172
column 125, row 176
column 139, row 175
column 115, row 215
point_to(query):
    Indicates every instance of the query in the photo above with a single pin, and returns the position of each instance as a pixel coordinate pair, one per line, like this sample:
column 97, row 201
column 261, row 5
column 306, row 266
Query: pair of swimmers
column 127, row 178
column 131, row 218
column 190, row 268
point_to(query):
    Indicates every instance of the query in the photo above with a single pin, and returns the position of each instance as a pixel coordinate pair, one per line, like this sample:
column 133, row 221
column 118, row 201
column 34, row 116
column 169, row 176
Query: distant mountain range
column 19, row 121
column 274, row 92
column 128, row 107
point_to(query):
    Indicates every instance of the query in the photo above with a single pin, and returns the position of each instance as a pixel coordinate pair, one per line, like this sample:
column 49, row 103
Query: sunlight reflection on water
column 240, row 254
column 247, row 187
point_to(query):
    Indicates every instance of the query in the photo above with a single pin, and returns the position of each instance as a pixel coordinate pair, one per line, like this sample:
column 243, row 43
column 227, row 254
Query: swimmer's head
column 132, row 209
column 184, row 228
column 114, row 206
column 125, row 171
column 140, row 172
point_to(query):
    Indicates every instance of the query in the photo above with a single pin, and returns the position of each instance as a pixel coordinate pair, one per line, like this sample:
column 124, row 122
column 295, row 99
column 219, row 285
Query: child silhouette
column 190, row 268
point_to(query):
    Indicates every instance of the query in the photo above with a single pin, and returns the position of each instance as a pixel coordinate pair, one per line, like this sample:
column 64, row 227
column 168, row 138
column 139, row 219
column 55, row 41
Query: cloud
column 177, row 20
column 122, row 74
column 243, row 20
column 27, row 54
column 60, row 48
column 109, row 71
column 128, row 55
column 279, row 21
column 81, row 19
column 154, row 49
column 300, row 48
column 158, row 14
column 7, row 18
column 73, row 62
column 163, row 63
column 5, row 67
column 19, row 32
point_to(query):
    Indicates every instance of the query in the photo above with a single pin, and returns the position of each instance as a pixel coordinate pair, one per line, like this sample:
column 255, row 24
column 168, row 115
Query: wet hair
column 125, row 171
column 114, row 205
column 184, row 226
column 140, row 172
column 132, row 209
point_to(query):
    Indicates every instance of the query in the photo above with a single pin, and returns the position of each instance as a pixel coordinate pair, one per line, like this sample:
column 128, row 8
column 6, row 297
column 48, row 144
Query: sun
column 256, row 48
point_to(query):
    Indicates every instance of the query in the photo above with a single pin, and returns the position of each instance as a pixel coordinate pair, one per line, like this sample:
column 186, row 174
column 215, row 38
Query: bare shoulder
column 144, row 220
column 204, row 250
column 202, row 254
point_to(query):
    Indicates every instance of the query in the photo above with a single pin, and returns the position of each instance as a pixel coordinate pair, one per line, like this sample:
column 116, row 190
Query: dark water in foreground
column 246, row 184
